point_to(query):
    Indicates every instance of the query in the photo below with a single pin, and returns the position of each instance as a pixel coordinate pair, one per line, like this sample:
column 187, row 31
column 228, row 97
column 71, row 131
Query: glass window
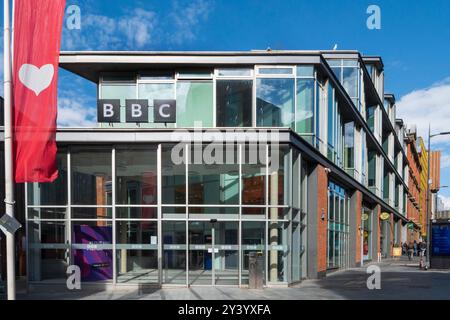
column 136, row 175
column 124, row 77
column 305, row 71
column 331, row 123
column 91, row 177
column 152, row 91
column 279, row 176
column 156, row 75
column 278, row 244
column 370, row 115
column 137, row 258
column 275, row 102
column 234, row 103
column 118, row 91
column 305, row 105
column 194, row 74
column 174, row 252
column 92, row 213
column 234, row 72
column 372, row 168
column 350, row 81
column 55, row 193
column 253, row 177
column 47, row 213
column 173, row 174
column 349, row 141
column 214, row 183
column 195, row 104
column 268, row 70
column 253, row 241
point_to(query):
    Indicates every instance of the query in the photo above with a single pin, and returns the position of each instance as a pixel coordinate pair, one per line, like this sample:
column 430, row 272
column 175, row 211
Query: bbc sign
column 136, row 110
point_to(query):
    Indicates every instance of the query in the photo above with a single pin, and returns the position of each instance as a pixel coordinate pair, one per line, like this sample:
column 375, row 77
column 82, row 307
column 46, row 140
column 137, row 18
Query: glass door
column 226, row 253
column 213, row 253
column 200, row 253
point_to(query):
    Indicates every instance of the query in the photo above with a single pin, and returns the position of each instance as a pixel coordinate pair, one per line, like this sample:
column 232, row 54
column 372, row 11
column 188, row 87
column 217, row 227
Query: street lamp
column 428, row 190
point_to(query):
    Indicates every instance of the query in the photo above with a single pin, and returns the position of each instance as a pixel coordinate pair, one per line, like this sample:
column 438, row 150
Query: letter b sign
column 137, row 110
column 108, row 110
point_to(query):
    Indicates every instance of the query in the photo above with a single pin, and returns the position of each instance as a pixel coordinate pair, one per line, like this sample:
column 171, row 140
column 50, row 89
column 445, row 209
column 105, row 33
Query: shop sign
column 410, row 225
column 385, row 216
column 364, row 217
column 136, row 110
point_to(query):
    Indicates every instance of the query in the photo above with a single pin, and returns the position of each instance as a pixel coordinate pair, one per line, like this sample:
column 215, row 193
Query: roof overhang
column 90, row 64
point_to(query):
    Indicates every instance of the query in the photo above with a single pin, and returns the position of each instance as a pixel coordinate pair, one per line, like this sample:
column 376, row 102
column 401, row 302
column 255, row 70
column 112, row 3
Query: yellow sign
column 364, row 217
column 397, row 252
column 385, row 216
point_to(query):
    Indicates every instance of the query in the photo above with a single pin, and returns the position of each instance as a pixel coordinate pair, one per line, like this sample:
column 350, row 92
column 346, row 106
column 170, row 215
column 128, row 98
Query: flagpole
column 9, row 181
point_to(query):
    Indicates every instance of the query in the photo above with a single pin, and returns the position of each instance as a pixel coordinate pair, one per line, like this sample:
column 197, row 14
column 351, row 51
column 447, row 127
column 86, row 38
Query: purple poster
column 94, row 264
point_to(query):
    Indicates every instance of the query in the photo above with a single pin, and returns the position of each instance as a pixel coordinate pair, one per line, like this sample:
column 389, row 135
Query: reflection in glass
column 91, row 177
column 152, row 91
column 136, row 175
column 216, row 183
column 305, row 105
column 55, row 193
column 279, row 178
column 275, row 102
column 277, row 262
column 253, row 241
column 137, row 259
column 47, row 213
column 195, row 104
column 92, row 213
column 200, row 260
column 173, row 175
column 174, row 252
column 234, row 103
column 253, row 176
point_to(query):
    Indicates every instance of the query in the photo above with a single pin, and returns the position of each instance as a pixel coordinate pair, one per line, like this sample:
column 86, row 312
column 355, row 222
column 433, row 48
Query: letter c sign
column 164, row 111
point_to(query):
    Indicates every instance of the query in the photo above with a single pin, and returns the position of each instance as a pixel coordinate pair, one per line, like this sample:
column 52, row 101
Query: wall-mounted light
column 323, row 215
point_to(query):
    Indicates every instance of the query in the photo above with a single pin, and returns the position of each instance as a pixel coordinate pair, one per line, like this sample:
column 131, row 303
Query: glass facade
column 198, row 228
column 338, row 227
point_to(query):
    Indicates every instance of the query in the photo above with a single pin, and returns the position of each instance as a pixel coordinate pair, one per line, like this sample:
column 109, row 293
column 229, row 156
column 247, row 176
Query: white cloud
column 428, row 106
column 187, row 17
column 98, row 32
column 73, row 113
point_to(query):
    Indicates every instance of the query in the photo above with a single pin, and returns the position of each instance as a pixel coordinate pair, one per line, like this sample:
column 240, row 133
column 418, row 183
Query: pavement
column 399, row 279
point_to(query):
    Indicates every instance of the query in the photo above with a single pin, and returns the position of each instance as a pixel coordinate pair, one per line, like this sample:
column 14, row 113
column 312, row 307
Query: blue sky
column 413, row 42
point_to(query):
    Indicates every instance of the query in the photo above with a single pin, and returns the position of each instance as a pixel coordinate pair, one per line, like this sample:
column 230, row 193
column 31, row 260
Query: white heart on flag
column 36, row 79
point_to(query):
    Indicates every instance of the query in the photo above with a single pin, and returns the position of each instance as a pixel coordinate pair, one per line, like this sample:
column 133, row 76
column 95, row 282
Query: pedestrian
column 410, row 250
column 423, row 248
column 405, row 248
column 415, row 248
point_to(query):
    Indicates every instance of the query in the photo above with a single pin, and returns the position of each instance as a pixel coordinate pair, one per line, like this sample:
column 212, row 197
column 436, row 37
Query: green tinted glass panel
column 195, row 104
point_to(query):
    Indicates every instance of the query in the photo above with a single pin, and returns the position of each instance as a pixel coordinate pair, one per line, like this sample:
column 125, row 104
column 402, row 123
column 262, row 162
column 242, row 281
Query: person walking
column 410, row 250
column 415, row 248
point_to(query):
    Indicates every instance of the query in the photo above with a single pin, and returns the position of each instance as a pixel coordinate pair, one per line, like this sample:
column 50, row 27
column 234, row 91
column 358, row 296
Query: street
column 400, row 279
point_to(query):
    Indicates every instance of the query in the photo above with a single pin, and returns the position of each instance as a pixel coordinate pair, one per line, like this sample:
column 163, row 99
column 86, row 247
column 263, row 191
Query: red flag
column 37, row 38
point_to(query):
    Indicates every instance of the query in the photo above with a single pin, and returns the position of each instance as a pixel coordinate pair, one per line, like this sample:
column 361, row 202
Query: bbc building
column 200, row 159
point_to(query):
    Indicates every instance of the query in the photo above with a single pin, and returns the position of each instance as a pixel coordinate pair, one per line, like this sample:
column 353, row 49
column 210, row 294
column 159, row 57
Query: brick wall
column 322, row 208
column 358, row 212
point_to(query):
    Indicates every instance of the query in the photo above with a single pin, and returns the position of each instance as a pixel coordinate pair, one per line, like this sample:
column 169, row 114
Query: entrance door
column 213, row 253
